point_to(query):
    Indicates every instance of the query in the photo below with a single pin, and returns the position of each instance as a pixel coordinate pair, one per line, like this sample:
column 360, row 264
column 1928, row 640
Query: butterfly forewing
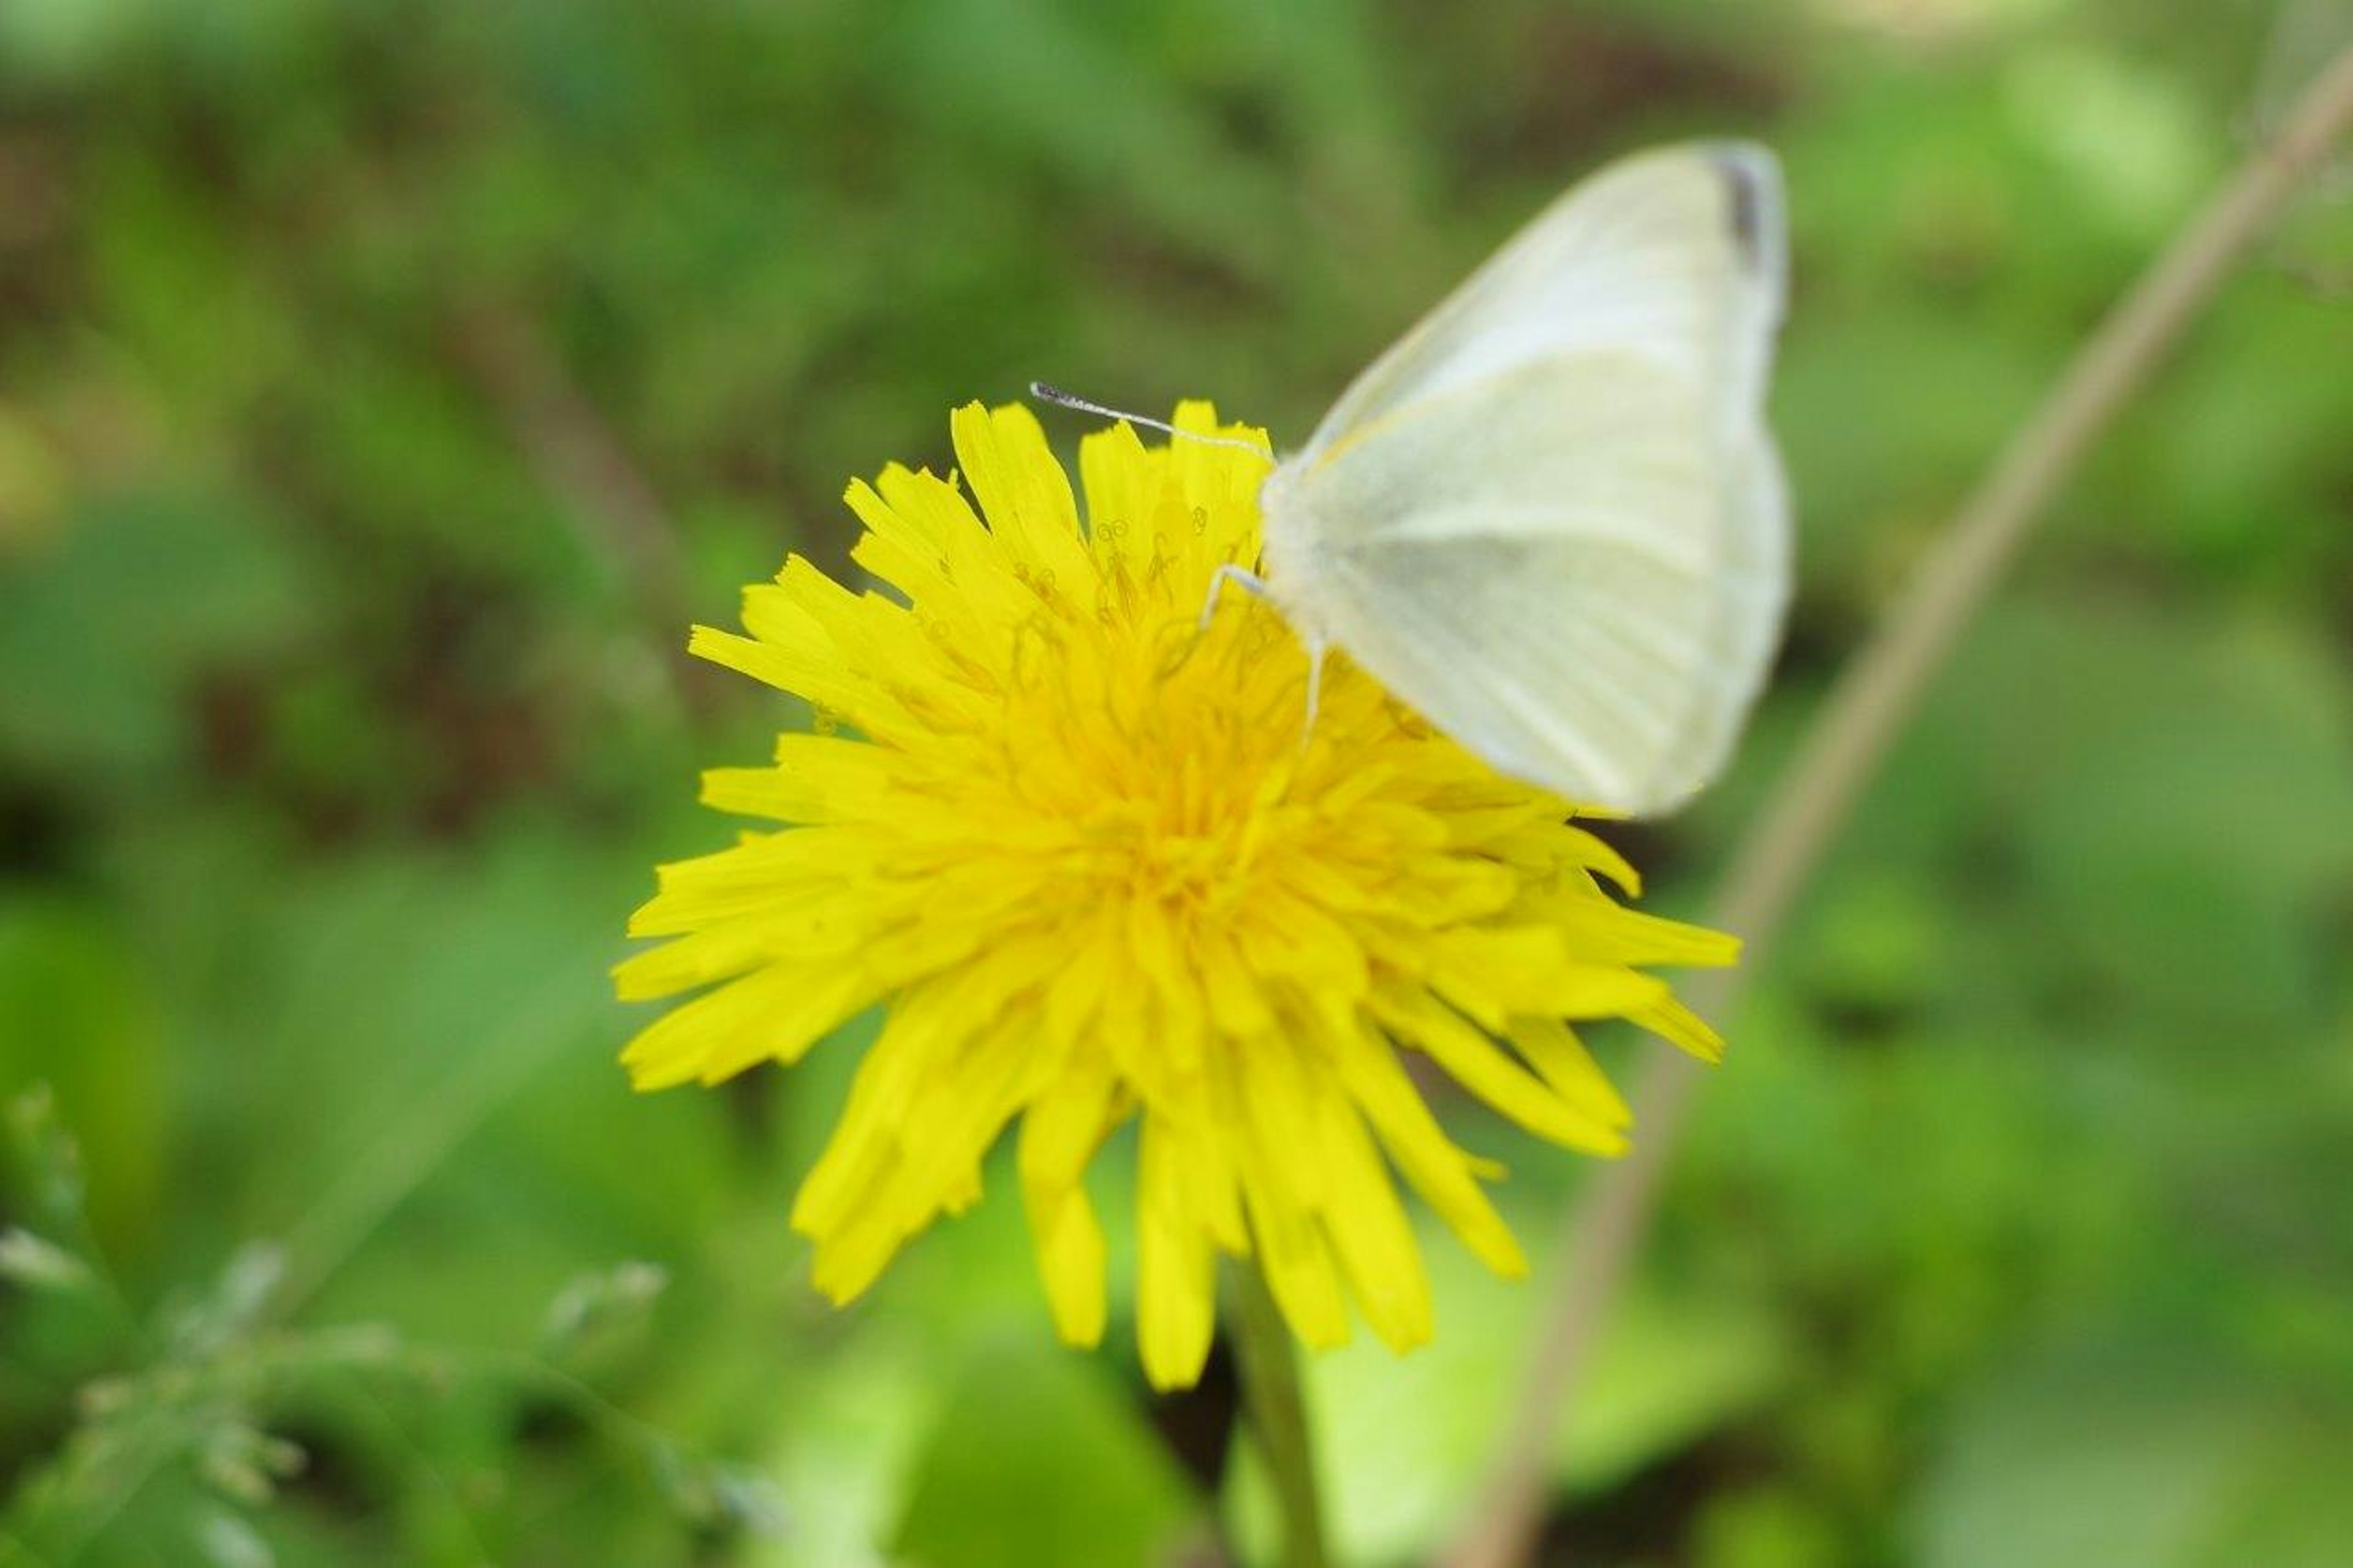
column 1551, row 518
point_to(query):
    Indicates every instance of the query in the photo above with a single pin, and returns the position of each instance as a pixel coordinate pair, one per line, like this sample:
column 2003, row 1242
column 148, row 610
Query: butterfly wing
column 1551, row 518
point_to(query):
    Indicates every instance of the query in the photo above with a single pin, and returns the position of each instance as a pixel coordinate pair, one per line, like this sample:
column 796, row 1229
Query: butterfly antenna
column 1045, row 393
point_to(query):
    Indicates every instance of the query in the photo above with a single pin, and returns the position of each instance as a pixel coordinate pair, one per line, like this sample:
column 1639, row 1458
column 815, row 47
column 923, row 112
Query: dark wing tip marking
column 1753, row 214
column 1746, row 187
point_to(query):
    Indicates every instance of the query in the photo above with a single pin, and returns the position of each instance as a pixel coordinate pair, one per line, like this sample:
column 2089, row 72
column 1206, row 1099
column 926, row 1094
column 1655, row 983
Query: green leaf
column 1038, row 1460
column 104, row 629
column 77, row 1013
column 1403, row 1440
column 2153, row 1459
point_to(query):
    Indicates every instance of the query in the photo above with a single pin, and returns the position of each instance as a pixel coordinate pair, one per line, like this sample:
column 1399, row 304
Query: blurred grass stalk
column 1841, row 754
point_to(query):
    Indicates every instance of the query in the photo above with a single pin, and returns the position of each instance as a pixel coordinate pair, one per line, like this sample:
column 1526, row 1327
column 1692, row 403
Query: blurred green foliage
column 384, row 387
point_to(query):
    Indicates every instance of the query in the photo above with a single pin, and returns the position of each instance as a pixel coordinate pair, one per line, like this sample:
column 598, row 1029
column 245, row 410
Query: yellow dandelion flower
column 1076, row 847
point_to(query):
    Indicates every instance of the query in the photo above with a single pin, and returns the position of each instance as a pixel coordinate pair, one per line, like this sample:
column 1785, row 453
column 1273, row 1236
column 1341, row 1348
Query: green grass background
column 383, row 386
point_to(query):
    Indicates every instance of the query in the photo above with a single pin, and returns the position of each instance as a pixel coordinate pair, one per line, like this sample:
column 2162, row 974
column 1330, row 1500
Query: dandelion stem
column 1278, row 1415
column 1842, row 752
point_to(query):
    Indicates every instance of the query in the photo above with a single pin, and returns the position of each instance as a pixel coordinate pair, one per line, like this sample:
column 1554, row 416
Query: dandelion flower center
column 1089, row 857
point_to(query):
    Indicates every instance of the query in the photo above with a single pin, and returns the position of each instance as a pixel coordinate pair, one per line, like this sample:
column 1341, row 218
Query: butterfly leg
column 1250, row 582
column 1240, row 577
column 1316, row 648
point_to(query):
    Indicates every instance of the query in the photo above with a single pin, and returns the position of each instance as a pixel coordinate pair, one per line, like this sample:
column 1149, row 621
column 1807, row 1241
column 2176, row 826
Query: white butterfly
column 1551, row 518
